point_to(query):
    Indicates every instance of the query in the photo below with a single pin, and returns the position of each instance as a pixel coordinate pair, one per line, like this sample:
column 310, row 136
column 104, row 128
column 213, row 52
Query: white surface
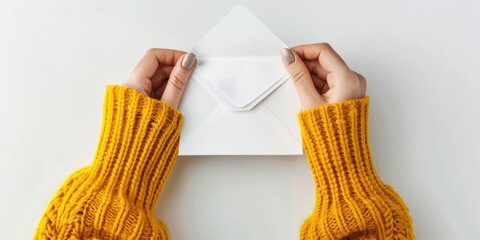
column 421, row 59
column 238, row 101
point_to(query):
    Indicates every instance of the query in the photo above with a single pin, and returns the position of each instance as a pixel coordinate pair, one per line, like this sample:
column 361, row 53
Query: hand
column 162, row 74
column 321, row 76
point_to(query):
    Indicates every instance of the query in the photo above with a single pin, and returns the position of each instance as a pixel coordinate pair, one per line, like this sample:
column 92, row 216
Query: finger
column 154, row 58
column 157, row 94
column 302, row 80
column 319, row 83
column 314, row 67
column 161, row 76
column 178, row 79
column 326, row 56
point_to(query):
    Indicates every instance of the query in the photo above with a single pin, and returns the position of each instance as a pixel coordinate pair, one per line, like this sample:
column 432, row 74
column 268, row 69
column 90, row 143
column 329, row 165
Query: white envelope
column 240, row 100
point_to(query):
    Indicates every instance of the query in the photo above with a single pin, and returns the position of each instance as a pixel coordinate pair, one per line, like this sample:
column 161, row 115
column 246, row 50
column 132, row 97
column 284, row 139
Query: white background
column 421, row 59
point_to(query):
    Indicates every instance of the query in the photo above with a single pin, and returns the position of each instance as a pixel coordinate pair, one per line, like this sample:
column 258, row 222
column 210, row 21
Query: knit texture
column 351, row 200
column 114, row 197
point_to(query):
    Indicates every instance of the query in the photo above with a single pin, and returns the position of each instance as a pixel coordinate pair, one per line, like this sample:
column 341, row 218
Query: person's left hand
column 162, row 74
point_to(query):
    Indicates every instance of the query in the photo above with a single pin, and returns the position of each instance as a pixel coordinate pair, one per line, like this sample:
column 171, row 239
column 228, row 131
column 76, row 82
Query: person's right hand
column 321, row 76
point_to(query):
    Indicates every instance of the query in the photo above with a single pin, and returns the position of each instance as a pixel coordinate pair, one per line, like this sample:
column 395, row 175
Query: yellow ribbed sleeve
column 114, row 197
column 351, row 200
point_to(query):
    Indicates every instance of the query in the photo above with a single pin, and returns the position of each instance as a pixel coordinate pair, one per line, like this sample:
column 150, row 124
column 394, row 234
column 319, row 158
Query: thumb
column 177, row 81
column 302, row 80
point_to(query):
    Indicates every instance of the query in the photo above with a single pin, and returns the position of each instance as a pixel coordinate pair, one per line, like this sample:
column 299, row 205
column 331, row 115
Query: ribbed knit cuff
column 335, row 139
column 138, row 145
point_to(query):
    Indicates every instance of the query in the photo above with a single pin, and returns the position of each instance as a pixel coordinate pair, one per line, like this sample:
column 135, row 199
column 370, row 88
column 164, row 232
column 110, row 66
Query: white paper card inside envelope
column 240, row 100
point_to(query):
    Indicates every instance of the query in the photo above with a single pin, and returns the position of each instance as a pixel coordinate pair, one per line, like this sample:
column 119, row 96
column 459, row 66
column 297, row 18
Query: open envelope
column 239, row 100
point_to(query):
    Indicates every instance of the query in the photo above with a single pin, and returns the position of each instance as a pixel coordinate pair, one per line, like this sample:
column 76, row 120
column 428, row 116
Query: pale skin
column 160, row 75
column 319, row 74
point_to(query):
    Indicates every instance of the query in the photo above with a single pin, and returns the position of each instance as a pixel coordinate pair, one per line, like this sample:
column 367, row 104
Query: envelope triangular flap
column 246, row 67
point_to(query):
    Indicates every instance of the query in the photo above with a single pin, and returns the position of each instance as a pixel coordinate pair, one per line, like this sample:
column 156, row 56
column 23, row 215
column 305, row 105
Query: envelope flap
column 238, row 34
column 239, row 81
column 239, row 60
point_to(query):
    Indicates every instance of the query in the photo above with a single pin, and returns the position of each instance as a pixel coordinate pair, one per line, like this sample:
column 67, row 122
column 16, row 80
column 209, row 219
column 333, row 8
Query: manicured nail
column 288, row 56
column 188, row 61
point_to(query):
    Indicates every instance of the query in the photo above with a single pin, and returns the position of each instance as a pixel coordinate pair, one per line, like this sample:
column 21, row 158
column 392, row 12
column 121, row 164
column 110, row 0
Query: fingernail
column 288, row 56
column 188, row 61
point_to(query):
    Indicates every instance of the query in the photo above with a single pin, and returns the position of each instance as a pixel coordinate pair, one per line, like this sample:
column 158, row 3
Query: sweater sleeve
column 351, row 200
column 115, row 196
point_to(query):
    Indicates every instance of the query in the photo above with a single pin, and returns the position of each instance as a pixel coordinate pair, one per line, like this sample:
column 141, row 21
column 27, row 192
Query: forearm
column 115, row 196
column 351, row 200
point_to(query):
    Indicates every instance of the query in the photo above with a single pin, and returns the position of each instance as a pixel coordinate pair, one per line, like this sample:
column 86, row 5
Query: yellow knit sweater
column 114, row 197
column 351, row 200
